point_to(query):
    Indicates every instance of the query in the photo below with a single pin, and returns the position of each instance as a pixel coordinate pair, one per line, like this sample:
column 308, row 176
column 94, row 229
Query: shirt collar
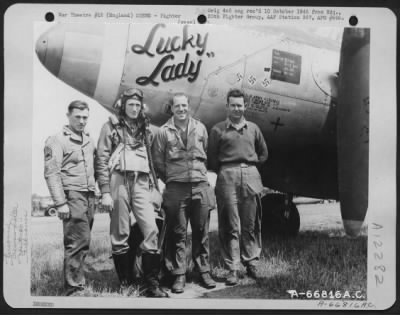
column 67, row 131
column 241, row 125
column 171, row 124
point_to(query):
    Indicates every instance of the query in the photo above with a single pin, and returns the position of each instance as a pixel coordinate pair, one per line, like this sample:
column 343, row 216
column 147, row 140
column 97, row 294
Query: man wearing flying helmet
column 124, row 168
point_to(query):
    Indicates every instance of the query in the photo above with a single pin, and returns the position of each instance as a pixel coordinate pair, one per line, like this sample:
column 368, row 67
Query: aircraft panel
column 286, row 66
column 278, row 116
column 299, row 84
column 325, row 71
column 112, row 63
column 212, row 108
column 81, row 67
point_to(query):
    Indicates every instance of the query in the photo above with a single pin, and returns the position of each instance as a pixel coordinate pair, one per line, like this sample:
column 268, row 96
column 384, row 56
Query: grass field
column 321, row 257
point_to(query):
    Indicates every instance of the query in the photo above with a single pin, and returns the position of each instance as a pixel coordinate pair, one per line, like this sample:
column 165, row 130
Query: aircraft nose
column 49, row 49
column 41, row 48
column 73, row 53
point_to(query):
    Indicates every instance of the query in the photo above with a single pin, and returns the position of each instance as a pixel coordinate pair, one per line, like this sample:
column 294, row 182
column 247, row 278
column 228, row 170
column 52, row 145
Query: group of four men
column 128, row 160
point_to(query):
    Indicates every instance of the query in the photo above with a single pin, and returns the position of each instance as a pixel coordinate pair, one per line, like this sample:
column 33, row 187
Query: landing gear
column 280, row 215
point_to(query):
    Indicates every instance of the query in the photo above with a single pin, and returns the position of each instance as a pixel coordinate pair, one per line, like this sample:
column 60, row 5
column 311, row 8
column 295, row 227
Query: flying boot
column 124, row 267
column 151, row 269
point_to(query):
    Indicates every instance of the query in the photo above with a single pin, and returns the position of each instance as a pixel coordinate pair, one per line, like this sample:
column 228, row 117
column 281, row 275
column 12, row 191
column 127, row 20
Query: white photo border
column 18, row 95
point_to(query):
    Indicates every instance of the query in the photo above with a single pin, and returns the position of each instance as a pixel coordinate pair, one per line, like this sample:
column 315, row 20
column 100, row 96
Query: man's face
column 132, row 108
column 180, row 108
column 78, row 119
column 235, row 107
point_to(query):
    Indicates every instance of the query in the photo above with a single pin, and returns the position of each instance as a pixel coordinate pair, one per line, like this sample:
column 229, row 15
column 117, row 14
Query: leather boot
column 179, row 284
column 124, row 267
column 151, row 269
column 207, row 281
column 232, row 278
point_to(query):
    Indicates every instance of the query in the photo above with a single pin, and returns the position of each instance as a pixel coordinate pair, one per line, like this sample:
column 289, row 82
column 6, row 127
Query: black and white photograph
column 220, row 157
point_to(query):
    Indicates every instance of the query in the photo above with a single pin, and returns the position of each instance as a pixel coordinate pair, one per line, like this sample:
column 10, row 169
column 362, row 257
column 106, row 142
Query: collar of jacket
column 120, row 121
column 241, row 125
column 114, row 120
column 68, row 132
column 191, row 125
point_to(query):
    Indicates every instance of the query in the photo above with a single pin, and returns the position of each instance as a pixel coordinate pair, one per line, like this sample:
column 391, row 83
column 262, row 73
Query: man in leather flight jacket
column 124, row 177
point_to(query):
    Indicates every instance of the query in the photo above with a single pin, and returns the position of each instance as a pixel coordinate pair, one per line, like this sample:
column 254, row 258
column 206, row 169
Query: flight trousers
column 132, row 195
column 76, row 231
column 184, row 202
column 238, row 189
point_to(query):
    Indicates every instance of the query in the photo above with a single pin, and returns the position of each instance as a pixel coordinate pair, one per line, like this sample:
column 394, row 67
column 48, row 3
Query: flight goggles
column 132, row 93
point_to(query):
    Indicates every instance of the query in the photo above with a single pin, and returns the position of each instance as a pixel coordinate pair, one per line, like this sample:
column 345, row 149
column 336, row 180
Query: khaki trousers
column 186, row 202
column 239, row 215
column 77, row 237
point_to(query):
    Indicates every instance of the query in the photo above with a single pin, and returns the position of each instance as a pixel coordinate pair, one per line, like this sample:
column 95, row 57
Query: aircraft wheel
column 51, row 212
column 279, row 218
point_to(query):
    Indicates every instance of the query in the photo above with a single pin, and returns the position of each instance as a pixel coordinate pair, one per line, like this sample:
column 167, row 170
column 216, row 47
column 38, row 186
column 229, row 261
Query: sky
column 51, row 98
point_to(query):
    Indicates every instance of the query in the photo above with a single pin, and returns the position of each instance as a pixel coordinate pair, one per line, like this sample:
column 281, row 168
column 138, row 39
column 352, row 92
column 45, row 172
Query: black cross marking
column 277, row 123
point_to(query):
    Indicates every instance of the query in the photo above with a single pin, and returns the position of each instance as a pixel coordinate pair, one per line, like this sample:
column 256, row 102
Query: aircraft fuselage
column 290, row 84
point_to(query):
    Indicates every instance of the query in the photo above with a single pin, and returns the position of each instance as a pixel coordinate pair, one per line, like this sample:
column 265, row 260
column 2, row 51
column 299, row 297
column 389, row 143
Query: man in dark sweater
column 236, row 147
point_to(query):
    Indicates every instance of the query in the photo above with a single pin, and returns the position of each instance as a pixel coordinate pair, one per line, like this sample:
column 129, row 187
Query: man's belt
column 237, row 164
column 131, row 173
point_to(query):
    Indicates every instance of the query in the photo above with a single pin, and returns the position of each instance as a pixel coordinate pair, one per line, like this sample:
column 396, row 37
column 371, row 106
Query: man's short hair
column 178, row 94
column 81, row 105
column 235, row 93
column 168, row 109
